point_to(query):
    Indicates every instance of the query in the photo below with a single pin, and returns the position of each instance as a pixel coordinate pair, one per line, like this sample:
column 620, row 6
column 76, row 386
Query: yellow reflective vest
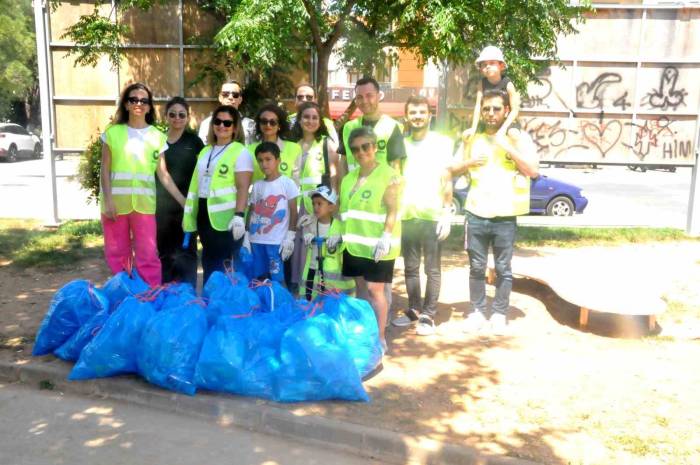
column 134, row 163
column 311, row 173
column 332, row 266
column 288, row 158
column 497, row 188
column 221, row 203
column 363, row 213
column 383, row 129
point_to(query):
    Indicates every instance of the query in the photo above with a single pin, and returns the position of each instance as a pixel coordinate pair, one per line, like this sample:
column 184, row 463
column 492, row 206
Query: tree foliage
column 17, row 53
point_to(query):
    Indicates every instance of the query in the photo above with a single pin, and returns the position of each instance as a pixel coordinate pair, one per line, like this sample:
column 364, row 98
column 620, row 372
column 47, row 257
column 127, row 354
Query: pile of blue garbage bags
column 243, row 337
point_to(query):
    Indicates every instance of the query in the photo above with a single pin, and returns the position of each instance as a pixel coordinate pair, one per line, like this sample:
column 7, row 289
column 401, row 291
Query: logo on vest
column 381, row 145
column 223, row 170
column 284, row 166
column 366, row 194
column 156, row 154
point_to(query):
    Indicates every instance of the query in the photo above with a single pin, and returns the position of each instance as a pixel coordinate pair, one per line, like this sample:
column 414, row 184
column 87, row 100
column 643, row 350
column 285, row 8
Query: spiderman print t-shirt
column 269, row 216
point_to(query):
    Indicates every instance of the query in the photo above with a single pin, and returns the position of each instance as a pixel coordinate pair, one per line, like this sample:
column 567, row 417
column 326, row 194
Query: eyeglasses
column 181, row 115
column 268, row 122
column 488, row 109
column 308, row 98
column 362, row 147
column 227, row 94
column 138, row 101
column 227, row 123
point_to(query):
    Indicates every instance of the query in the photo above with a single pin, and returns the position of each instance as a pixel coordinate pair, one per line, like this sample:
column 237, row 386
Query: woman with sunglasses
column 369, row 200
column 218, row 194
column 180, row 158
column 132, row 154
column 271, row 125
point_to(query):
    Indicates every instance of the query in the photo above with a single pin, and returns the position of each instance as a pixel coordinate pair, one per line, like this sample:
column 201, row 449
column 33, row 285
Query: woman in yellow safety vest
column 369, row 204
column 218, row 194
column 132, row 155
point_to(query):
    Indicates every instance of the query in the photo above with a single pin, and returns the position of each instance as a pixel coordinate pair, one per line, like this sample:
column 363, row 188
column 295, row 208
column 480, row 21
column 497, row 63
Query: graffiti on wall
column 605, row 87
column 666, row 96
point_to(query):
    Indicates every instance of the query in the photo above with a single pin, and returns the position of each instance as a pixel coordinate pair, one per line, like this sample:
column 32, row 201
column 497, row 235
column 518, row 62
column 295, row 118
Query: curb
column 258, row 416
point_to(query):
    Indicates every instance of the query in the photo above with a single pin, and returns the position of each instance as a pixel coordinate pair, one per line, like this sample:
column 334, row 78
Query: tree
column 263, row 34
column 18, row 73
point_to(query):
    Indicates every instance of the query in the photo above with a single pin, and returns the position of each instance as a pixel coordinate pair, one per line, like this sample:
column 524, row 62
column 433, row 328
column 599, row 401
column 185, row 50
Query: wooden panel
column 195, row 60
column 68, row 13
column 606, row 32
column 158, row 69
column 159, row 25
column 65, row 72
column 604, row 86
column 200, row 110
column 680, row 30
column 78, row 123
column 199, row 26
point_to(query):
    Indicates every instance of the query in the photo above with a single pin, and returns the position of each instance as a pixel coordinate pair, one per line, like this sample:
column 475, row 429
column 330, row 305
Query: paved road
column 47, row 428
column 618, row 196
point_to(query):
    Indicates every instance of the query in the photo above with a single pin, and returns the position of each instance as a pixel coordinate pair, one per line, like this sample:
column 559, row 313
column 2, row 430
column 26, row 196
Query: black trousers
column 177, row 264
column 218, row 247
column 419, row 240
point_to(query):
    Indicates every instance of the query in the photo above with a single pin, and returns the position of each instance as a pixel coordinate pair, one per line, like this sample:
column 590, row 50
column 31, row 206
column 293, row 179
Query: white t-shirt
column 207, row 163
column 135, row 136
column 269, row 216
column 248, row 129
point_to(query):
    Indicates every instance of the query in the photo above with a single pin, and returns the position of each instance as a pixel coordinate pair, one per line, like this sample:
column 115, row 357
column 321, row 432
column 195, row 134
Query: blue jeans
column 418, row 240
column 499, row 234
column 267, row 262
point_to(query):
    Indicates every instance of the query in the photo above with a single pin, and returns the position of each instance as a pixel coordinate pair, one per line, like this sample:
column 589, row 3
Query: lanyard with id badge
column 209, row 169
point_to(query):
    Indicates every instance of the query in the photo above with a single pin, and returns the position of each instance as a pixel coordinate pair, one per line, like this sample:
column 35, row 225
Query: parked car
column 644, row 168
column 547, row 196
column 16, row 142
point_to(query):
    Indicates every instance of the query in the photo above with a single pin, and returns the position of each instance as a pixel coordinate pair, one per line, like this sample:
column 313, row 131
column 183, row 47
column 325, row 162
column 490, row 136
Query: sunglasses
column 268, row 122
column 181, row 115
column 361, row 148
column 308, row 98
column 494, row 109
column 227, row 123
column 227, row 94
column 137, row 101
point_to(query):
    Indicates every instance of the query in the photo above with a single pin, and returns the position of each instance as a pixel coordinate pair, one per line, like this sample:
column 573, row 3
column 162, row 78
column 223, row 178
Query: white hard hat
column 490, row 53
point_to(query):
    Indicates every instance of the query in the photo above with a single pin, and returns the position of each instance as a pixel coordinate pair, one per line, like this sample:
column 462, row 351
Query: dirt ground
column 547, row 392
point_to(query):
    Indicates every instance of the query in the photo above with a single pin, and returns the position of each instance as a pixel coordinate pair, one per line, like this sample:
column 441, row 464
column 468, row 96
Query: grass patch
column 542, row 236
column 28, row 244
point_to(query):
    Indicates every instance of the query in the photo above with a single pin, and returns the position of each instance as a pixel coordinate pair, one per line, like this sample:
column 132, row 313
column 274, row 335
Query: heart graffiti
column 603, row 136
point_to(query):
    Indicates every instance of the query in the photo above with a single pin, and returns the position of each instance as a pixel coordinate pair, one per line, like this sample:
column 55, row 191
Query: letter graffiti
column 647, row 135
column 541, row 91
column 550, row 139
column 666, row 96
column 594, row 94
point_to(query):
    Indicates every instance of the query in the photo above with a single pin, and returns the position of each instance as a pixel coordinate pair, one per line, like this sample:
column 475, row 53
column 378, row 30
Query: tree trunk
column 323, row 57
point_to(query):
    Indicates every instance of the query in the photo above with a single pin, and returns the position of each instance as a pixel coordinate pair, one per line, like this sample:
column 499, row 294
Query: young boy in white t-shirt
column 272, row 216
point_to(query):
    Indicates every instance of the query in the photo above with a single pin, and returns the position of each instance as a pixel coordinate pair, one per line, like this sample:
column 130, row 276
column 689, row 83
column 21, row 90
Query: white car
column 16, row 142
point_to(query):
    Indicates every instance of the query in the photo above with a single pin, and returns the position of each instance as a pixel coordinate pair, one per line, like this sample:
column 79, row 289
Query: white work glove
column 246, row 243
column 443, row 225
column 332, row 242
column 237, row 227
column 304, row 221
column 308, row 239
column 382, row 247
column 287, row 246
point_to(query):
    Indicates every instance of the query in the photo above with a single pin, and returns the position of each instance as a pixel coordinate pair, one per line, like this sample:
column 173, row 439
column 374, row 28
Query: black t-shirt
column 181, row 159
column 395, row 149
column 500, row 85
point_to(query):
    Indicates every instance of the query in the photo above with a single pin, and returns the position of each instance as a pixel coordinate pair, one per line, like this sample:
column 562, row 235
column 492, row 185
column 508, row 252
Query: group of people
column 317, row 209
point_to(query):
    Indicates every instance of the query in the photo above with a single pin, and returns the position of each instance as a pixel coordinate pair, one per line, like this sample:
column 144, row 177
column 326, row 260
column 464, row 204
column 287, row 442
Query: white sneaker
column 474, row 322
column 499, row 324
column 425, row 327
column 406, row 319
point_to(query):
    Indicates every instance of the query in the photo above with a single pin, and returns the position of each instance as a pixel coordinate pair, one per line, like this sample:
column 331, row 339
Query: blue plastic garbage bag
column 220, row 281
column 273, row 296
column 359, row 325
column 231, row 300
column 70, row 350
column 114, row 349
column 240, row 355
column 71, row 307
column 316, row 364
column 175, row 295
column 170, row 346
column 244, row 263
column 122, row 285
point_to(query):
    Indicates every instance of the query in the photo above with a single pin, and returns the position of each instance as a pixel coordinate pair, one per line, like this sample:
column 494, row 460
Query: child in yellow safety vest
column 323, row 268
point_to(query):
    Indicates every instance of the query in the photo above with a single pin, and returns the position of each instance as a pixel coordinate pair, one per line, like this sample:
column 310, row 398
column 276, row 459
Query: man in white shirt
column 231, row 94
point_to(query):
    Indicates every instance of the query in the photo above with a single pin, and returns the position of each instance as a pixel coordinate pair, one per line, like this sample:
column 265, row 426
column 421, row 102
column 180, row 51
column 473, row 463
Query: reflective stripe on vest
column 332, row 266
column 311, row 173
column 497, row 188
column 288, row 158
column 132, row 175
column 364, row 213
column 383, row 129
column 221, row 203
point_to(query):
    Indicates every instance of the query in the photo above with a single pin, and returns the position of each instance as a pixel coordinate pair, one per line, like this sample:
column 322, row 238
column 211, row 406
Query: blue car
column 547, row 196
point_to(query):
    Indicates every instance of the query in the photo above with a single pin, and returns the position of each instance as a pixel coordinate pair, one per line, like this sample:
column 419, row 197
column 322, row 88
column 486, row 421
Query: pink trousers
column 133, row 237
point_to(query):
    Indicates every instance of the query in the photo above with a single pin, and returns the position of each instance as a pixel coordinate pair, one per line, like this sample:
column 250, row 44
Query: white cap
column 490, row 53
column 326, row 193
